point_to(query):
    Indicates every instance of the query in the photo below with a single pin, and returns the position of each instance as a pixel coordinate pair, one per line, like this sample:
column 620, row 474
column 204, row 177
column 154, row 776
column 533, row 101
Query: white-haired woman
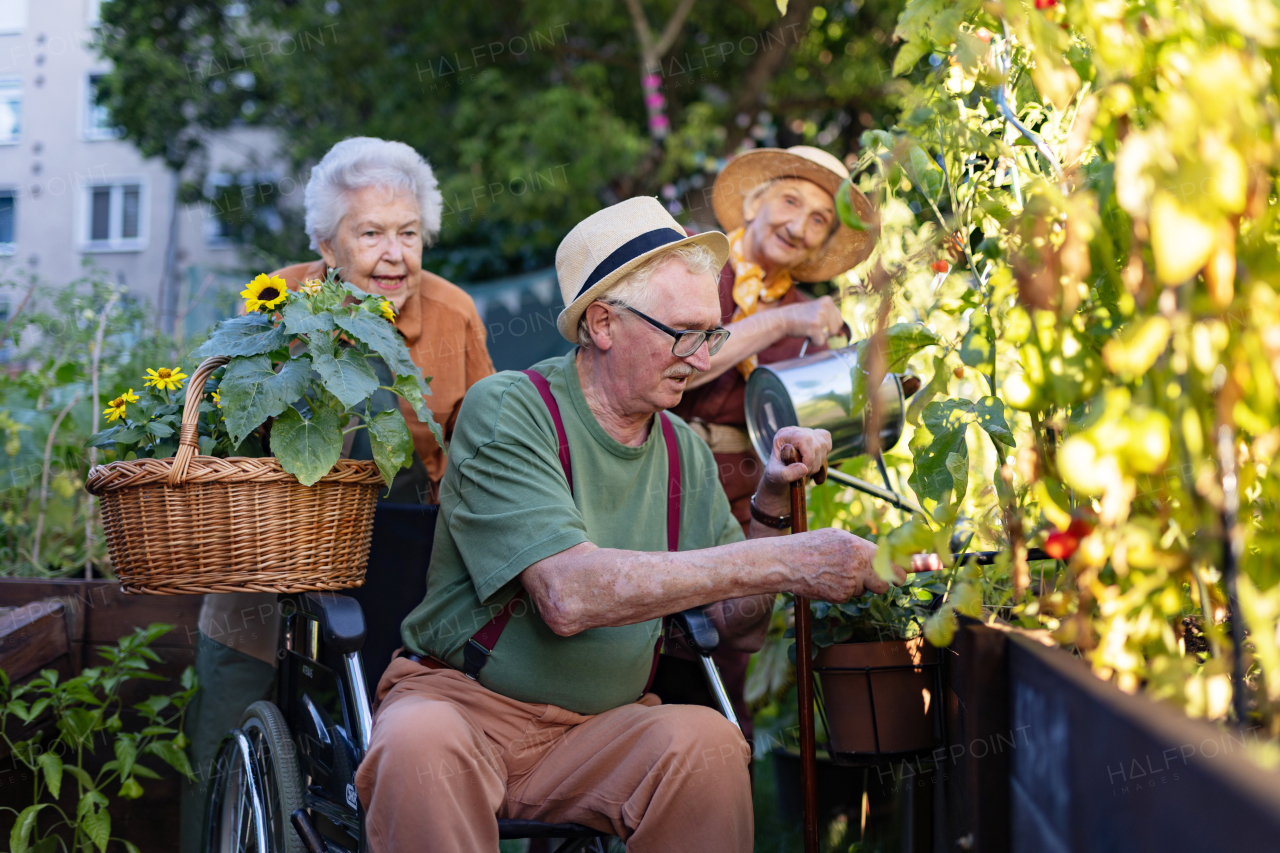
column 372, row 206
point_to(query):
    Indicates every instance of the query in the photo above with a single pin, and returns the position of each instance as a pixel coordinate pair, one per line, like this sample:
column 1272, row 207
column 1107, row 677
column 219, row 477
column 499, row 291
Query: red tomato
column 1061, row 544
column 940, row 266
column 984, row 34
column 1079, row 528
column 1046, row 4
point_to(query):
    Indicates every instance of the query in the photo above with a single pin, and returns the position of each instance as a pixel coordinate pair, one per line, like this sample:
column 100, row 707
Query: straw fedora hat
column 846, row 248
column 610, row 243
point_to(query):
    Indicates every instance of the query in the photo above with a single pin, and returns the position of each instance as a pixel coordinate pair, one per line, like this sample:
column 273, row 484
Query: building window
column 8, row 220
column 97, row 118
column 115, row 218
column 13, row 16
column 10, row 109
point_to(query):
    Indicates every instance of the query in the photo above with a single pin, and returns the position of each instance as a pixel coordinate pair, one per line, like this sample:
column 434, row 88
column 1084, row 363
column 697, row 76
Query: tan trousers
column 449, row 757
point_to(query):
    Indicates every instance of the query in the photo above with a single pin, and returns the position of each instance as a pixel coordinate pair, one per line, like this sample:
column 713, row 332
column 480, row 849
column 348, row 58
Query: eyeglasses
column 687, row 341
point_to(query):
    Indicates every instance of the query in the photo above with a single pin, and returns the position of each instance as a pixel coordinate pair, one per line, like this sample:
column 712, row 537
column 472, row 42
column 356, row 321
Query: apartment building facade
column 72, row 190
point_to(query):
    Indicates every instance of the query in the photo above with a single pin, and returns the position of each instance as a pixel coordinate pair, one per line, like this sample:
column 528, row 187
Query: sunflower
column 388, row 310
column 264, row 293
column 311, row 286
column 115, row 409
column 165, row 379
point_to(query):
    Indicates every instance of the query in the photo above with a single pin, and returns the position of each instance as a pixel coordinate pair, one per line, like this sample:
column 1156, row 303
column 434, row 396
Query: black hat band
column 629, row 251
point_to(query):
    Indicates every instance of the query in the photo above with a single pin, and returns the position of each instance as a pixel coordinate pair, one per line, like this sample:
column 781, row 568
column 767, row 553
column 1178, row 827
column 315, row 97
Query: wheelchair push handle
column 697, row 629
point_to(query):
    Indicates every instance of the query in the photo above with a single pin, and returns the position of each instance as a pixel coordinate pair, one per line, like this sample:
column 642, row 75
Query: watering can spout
column 816, row 391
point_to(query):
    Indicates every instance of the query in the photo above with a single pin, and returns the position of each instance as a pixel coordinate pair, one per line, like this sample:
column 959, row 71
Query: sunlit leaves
column 901, row 342
column 1133, row 353
column 940, row 449
column 845, row 210
column 1181, row 239
column 924, row 173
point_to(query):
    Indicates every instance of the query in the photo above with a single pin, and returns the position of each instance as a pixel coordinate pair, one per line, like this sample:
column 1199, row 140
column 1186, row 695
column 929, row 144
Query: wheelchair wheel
column 255, row 788
column 277, row 764
column 235, row 820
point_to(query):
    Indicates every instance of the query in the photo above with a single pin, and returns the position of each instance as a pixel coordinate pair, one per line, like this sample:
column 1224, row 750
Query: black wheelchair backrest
column 396, row 580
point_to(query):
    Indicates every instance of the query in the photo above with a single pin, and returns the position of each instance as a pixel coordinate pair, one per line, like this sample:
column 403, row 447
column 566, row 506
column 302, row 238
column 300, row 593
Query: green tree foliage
column 159, row 89
column 532, row 113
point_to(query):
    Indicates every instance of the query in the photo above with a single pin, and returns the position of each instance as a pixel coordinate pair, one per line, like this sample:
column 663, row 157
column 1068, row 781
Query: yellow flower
column 217, row 400
column 311, row 286
column 165, row 379
column 388, row 310
column 115, row 409
column 264, row 293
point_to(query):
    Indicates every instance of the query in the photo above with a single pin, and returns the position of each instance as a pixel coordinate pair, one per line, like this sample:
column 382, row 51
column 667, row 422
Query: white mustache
column 679, row 371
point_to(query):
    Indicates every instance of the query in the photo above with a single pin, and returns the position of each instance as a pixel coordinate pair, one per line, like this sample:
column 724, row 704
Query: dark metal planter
column 1046, row 758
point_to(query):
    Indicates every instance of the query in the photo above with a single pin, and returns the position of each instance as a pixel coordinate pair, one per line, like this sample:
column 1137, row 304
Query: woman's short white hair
column 367, row 162
column 633, row 288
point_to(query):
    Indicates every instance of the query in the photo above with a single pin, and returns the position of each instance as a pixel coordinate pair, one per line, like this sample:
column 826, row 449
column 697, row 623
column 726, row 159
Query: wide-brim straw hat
column 610, row 243
column 845, row 249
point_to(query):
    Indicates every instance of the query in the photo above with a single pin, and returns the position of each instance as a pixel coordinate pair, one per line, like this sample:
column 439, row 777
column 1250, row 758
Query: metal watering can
column 816, row 391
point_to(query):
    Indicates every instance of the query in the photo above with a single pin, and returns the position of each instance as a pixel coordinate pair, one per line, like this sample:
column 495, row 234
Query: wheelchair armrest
column 698, row 630
column 341, row 620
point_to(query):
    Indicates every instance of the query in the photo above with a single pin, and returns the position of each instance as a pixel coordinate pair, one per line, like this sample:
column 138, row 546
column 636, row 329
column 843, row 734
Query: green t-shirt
column 505, row 505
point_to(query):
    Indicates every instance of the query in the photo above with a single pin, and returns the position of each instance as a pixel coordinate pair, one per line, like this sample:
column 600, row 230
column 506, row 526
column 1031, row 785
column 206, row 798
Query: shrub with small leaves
column 82, row 716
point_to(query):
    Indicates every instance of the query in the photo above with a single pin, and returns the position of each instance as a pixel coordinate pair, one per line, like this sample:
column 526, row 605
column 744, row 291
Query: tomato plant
column 1106, row 374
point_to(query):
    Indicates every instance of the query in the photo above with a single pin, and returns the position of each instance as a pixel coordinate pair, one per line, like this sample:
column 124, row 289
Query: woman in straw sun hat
column 778, row 208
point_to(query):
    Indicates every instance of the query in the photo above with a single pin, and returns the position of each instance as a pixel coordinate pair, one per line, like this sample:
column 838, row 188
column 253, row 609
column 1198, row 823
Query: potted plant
column 877, row 673
column 245, row 489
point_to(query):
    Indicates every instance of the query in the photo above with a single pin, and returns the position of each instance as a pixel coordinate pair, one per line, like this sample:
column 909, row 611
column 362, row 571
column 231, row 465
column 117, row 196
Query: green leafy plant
column 148, row 423
column 306, row 367
column 899, row 614
column 1080, row 200
column 70, row 349
column 86, row 713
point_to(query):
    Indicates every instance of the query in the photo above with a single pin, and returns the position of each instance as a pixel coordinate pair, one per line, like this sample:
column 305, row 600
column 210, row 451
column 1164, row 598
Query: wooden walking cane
column 804, row 666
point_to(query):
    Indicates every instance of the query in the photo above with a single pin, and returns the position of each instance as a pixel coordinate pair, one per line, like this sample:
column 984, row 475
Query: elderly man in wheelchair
column 575, row 514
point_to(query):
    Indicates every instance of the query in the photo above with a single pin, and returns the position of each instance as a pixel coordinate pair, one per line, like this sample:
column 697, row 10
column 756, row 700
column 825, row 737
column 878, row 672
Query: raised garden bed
column 56, row 624
column 1045, row 757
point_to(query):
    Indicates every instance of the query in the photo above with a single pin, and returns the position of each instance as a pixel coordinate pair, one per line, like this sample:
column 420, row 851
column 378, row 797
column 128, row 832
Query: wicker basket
column 196, row 524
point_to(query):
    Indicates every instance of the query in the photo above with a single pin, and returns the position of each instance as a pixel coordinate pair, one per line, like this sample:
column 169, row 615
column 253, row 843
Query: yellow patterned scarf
column 749, row 290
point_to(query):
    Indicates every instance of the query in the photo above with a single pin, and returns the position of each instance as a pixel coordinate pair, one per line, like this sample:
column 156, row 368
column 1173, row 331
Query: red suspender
column 673, row 483
column 475, row 654
column 562, row 440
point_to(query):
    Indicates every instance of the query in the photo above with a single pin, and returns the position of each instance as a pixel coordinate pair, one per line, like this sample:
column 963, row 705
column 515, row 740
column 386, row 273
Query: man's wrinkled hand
column 813, row 445
column 835, row 566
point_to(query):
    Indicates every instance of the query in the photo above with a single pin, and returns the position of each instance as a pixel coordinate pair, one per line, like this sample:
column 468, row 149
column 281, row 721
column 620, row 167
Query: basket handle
column 188, row 435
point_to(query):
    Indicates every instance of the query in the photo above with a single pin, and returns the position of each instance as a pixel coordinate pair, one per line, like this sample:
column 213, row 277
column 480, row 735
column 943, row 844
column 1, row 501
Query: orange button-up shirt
column 446, row 338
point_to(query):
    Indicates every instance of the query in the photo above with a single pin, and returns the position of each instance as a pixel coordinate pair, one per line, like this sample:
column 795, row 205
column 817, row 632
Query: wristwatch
column 777, row 522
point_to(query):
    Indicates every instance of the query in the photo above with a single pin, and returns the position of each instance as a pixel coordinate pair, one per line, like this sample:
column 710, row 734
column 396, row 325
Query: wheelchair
column 284, row 780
